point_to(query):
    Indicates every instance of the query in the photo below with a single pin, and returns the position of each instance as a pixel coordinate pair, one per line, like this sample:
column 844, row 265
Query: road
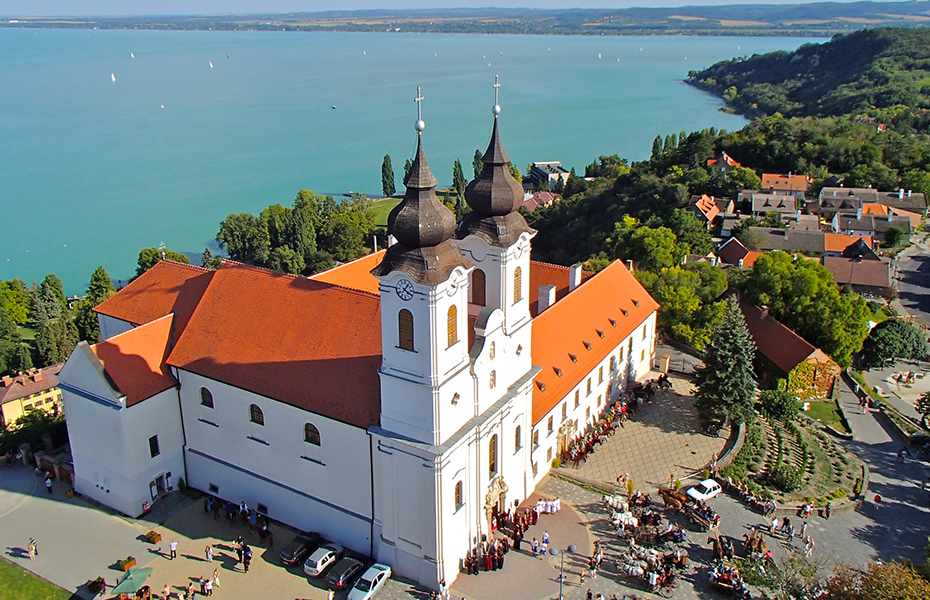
column 913, row 274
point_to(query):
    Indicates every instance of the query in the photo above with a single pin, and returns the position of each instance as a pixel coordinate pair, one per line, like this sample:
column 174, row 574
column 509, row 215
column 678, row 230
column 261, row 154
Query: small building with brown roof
column 795, row 185
column 539, row 199
column 810, row 373
column 705, row 208
column 733, row 253
column 36, row 389
column 871, row 278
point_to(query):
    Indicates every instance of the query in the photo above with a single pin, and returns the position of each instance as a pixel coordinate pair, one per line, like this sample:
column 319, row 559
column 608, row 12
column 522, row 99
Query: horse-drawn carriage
column 702, row 516
column 725, row 578
column 674, row 499
column 658, row 570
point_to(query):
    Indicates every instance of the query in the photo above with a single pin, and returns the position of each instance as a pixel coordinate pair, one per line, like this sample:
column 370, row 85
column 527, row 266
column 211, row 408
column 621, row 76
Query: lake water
column 92, row 170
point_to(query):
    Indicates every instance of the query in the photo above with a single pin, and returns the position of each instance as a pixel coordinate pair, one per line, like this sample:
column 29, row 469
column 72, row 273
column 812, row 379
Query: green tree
column 100, row 287
column 725, row 384
column 208, row 261
column 46, row 305
column 56, row 288
column 85, row 320
column 240, row 236
column 387, row 177
column 407, row 166
column 894, row 235
column 514, row 172
column 923, row 407
column 559, row 187
column 14, row 300
column 778, row 405
column 891, row 581
column 14, row 353
column 477, row 165
column 657, row 148
column 149, row 257
column 892, row 340
column 56, row 339
column 691, row 232
column 458, row 178
column 286, row 260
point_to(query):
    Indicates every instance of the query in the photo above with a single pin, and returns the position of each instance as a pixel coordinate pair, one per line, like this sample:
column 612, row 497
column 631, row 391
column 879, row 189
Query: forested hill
column 866, row 72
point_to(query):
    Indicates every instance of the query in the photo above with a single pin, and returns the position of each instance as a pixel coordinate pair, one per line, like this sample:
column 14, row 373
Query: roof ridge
column 236, row 264
column 189, row 265
column 548, row 264
column 170, row 315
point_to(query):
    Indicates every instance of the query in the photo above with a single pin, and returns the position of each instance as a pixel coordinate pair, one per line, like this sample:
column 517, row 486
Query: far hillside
column 877, row 72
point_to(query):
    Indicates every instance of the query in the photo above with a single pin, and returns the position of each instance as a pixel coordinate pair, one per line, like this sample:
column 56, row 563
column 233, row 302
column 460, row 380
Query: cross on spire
column 496, row 109
column 419, row 125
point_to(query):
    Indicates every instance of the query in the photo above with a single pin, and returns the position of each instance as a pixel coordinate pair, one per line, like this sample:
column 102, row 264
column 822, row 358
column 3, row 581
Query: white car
column 321, row 559
column 370, row 582
column 705, row 490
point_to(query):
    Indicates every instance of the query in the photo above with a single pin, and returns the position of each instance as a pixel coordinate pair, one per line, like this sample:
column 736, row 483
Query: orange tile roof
column 548, row 274
column 26, row 384
column 135, row 360
column 355, row 275
column 722, row 158
column 168, row 287
column 781, row 345
column 705, row 205
column 304, row 342
column 837, row 242
column 869, row 208
column 792, row 183
column 564, row 328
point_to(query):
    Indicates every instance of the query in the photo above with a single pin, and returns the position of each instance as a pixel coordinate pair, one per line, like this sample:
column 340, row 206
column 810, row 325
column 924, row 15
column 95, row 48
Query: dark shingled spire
column 423, row 227
column 494, row 192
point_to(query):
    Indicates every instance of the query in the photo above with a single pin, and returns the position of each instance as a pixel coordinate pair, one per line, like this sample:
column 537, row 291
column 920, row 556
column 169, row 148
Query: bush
column 778, row 405
column 786, row 478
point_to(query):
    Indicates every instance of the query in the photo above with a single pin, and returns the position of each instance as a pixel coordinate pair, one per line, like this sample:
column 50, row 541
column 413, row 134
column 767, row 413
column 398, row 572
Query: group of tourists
column 487, row 556
column 512, row 525
column 256, row 522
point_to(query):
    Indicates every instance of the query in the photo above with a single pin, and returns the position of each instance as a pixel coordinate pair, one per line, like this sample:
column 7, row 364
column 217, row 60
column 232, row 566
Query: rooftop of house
column 778, row 343
column 859, row 272
column 354, row 275
column 902, row 199
column 722, row 159
column 572, row 337
column 838, row 242
column 733, row 252
column 168, row 287
column 789, row 182
column 780, row 203
column 789, row 240
column 539, row 199
column 874, row 223
column 135, row 360
column 704, row 206
column 26, row 384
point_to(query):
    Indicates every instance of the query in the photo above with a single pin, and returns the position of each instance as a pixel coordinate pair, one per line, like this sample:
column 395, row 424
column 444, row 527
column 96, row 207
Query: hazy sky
column 179, row 7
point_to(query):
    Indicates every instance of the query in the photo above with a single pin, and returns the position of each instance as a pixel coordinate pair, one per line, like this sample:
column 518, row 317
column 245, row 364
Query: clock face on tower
column 404, row 289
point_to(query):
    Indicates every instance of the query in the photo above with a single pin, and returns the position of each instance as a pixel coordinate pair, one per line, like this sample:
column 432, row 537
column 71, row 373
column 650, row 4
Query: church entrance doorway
column 494, row 500
column 566, row 432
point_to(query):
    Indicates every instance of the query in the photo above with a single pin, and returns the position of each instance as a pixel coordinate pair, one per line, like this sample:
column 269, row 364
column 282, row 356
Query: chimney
column 909, row 193
column 7, row 380
column 574, row 276
column 546, row 297
column 764, row 313
column 391, row 240
column 740, row 263
column 900, row 193
column 37, row 376
column 629, row 265
column 859, row 213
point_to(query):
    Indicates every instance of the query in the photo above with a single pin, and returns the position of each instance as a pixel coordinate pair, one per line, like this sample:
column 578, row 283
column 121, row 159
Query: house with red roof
column 395, row 404
column 794, row 185
column 722, row 162
column 705, row 208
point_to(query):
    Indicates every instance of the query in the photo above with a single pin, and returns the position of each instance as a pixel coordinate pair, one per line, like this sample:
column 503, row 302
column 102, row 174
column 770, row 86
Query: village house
column 705, row 208
column 794, row 185
column 545, row 174
column 36, row 389
column 722, row 163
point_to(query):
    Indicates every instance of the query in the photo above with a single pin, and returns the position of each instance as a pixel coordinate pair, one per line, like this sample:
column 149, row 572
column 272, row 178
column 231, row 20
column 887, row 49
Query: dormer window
column 625, row 312
column 573, row 357
column 558, row 371
column 587, row 345
column 600, row 333
column 613, row 323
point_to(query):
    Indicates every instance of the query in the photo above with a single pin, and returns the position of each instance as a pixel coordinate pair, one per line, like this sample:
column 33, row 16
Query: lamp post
column 554, row 552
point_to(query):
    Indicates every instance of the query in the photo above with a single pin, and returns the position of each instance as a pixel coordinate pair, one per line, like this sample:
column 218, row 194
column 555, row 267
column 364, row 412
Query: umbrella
column 131, row 581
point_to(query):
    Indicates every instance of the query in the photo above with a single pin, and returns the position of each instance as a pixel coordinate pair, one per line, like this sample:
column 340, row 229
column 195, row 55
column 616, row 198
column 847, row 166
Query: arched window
column 405, row 329
column 452, row 323
column 492, row 455
column 311, row 434
column 458, row 495
column 478, row 287
column 493, row 379
column 256, row 415
column 206, row 398
column 517, row 439
column 517, row 285
column 613, row 362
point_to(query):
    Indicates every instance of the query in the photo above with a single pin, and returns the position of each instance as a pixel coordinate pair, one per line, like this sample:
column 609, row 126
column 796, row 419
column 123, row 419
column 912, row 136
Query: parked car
column 322, row 558
column 302, row 545
column 344, row 572
column 370, row 582
column 705, row 490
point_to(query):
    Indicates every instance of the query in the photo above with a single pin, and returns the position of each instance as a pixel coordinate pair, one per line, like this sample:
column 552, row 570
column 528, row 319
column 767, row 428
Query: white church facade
column 393, row 403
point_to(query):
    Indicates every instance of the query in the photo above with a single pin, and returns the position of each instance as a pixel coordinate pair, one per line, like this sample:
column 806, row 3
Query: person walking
column 48, row 484
column 826, row 511
column 166, row 592
column 238, row 545
column 216, row 577
column 208, row 552
column 208, row 586
column 790, row 533
column 808, row 546
column 173, row 550
column 31, row 549
column 190, row 591
column 545, row 539
column 246, row 557
column 803, row 529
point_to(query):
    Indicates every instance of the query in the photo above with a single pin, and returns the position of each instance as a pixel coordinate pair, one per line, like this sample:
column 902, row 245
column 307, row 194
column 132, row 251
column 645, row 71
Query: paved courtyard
column 664, row 439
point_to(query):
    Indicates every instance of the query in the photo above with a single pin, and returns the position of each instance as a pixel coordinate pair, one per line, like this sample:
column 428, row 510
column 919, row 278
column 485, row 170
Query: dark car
column 344, row 573
column 302, row 545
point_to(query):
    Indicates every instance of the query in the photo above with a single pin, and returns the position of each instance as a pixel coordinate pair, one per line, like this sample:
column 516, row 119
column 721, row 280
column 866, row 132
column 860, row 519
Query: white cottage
column 394, row 404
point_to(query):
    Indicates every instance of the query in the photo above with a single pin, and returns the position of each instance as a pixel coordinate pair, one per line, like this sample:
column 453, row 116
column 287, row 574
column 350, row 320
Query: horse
column 633, row 571
column 670, row 499
column 717, row 547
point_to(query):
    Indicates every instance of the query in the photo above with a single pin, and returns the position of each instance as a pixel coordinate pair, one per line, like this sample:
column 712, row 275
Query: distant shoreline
column 822, row 19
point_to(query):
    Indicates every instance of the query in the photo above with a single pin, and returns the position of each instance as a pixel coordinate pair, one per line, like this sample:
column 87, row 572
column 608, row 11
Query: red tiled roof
column 791, row 183
column 837, row 242
column 539, row 199
column 705, row 206
column 564, row 328
column 135, row 360
column 722, row 159
column 35, row 380
column 168, row 287
column 301, row 341
column 547, row 274
column 355, row 275
column 782, row 346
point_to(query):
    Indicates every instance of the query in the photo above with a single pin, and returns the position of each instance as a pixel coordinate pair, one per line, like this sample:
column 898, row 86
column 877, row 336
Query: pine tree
column 387, row 177
column 476, row 163
column 407, row 166
column 681, row 138
column 725, row 384
column 458, row 177
column 657, row 148
column 559, row 187
column 100, row 288
column 208, row 261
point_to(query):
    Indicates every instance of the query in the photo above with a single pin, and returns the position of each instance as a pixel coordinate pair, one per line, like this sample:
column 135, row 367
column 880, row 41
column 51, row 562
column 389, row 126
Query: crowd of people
column 512, row 527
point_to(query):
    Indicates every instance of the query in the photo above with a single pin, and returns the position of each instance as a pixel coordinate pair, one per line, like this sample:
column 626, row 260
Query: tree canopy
column 149, row 257
column 726, row 384
column 892, row 340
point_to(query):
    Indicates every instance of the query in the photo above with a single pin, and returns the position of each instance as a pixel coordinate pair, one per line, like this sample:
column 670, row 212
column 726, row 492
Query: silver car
column 370, row 582
column 321, row 559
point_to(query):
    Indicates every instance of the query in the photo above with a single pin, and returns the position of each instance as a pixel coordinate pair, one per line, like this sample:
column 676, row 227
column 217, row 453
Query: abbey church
column 394, row 403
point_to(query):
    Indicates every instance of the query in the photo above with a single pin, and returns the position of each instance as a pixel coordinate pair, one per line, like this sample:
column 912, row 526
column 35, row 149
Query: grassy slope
column 17, row 583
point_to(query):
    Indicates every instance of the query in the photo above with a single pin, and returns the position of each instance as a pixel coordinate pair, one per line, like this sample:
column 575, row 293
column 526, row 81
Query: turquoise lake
column 92, row 170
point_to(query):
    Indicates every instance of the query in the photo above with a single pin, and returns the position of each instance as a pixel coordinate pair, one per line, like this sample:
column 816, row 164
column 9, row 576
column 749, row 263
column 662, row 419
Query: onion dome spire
column 495, row 197
column 422, row 225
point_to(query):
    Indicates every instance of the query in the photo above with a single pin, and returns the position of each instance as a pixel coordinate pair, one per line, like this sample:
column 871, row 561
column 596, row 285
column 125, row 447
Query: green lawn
column 383, row 208
column 27, row 333
column 17, row 583
column 827, row 413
